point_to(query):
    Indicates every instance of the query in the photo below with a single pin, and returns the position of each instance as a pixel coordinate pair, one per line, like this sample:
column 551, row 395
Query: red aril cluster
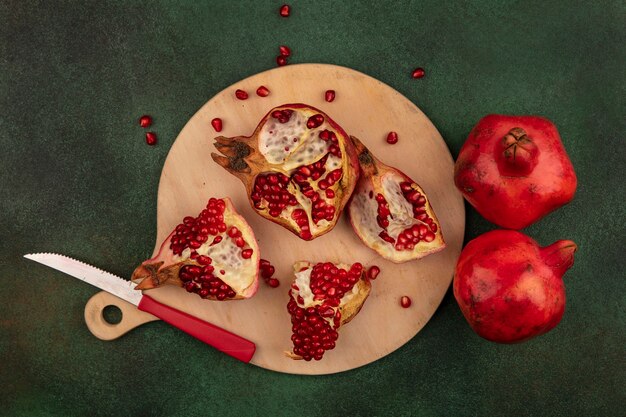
column 333, row 295
column 267, row 273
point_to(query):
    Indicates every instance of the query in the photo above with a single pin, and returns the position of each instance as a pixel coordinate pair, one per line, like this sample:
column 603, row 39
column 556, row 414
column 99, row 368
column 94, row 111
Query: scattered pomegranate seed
column 262, row 91
column 217, row 124
column 405, row 301
column 373, row 272
column 284, row 50
column 329, row 95
column 285, row 10
column 273, row 282
column 145, row 121
column 241, row 95
column 392, row 138
column 418, row 72
column 151, row 138
column 267, row 270
column 281, row 60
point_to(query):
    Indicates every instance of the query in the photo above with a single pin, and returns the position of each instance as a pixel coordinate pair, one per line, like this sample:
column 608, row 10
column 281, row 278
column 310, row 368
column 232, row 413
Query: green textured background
column 76, row 177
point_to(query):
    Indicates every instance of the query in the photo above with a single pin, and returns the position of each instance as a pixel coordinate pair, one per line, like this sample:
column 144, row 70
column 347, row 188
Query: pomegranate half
column 323, row 297
column 299, row 168
column 391, row 213
column 214, row 255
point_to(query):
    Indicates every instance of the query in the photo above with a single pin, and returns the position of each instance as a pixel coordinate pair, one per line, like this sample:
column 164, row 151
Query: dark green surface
column 77, row 178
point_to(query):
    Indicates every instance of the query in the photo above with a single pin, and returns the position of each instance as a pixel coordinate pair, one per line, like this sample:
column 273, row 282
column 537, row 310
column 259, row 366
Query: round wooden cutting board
column 367, row 109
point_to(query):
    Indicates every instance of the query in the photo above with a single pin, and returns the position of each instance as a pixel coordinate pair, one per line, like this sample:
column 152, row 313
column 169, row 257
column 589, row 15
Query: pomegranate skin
column 514, row 170
column 510, row 289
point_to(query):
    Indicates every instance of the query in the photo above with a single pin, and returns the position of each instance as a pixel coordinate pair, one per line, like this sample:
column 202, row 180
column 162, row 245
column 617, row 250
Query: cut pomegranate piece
column 214, row 255
column 390, row 213
column 299, row 168
column 323, row 297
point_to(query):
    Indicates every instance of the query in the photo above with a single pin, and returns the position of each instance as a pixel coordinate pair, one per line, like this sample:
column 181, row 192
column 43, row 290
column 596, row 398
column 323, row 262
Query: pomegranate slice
column 299, row 168
column 214, row 255
column 390, row 213
column 323, row 297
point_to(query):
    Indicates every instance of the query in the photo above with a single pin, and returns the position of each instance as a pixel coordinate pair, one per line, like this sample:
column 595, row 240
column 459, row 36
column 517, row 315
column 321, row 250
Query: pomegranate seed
column 315, row 121
column 262, row 91
column 281, row 60
column 329, row 95
column 151, row 138
column 273, row 282
column 418, row 72
column 246, row 253
column 392, row 138
column 267, row 272
column 285, row 10
column 217, row 124
column 284, row 50
column 405, row 301
column 145, row 121
column 241, row 95
column 373, row 272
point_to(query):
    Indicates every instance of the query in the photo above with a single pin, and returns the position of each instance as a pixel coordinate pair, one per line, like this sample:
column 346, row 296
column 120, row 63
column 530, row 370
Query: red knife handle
column 223, row 340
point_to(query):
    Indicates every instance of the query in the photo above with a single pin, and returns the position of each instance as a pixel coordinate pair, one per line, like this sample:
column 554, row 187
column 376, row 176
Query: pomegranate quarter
column 214, row 255
column 299, row 168
column 323, row 297
column 390, row 212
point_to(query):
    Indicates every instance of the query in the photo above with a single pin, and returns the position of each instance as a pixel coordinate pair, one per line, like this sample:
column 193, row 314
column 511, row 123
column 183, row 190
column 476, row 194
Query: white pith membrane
column 291, row 145
column 364, row 211
column 303, row 284
column 239, row 273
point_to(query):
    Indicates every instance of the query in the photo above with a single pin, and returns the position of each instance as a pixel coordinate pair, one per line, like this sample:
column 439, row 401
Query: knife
column 223, row 340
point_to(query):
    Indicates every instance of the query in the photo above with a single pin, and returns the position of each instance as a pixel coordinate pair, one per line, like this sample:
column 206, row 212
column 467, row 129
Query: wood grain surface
column 367, row 109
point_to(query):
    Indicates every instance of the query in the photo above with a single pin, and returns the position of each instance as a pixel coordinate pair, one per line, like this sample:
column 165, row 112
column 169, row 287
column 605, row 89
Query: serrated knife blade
column 221, row 339
column 106, row 281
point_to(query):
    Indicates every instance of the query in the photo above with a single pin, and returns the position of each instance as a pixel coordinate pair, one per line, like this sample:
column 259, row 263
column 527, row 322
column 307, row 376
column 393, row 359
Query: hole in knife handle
column 112, row 314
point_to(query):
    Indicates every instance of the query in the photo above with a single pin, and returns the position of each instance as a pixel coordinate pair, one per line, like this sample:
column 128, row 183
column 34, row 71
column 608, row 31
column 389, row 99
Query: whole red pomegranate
column 510, row 289
column 299, row 168
column 514, row 170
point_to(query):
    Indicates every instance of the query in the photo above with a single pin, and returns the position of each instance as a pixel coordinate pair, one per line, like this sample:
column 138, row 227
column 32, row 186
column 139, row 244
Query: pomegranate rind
column 243, row 159
column 374, row 174
column 163, row 268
